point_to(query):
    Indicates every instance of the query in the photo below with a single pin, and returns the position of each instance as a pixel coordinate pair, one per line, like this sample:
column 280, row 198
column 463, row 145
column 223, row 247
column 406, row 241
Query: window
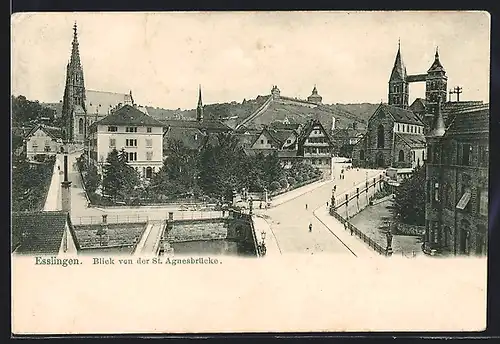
column 401, row 156
column 47, row 148
column 466, row 154
column 131, row 142
column 112, row 142
column 149, row 143
column 413, row 156
column 80, row 126
column 149, row 129
column 380, row 136
column 483, row 156
column 448, row 196
column 411, row 129
column 131, row 156
column 112, row 128
column 149, row 172
column 288, row 141
column 361, row 155
column 483, row 202
column 131, row 129
column 398, row 126
column 261, row 142
column 35, row 147
column 436, row 192
column 149, row 155
column 428, row 191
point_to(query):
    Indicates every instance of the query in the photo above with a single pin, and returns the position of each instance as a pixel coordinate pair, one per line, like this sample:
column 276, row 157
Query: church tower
column 435, row 84
column 73, row 111
column 199, row 108
column 398, row 83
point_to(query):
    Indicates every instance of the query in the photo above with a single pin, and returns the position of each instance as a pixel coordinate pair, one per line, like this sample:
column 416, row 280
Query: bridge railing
column 349, row 226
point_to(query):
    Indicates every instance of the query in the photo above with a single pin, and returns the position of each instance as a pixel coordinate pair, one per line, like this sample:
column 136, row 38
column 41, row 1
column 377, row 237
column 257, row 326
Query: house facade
column 456, row 209
column 140, row 135
column 42, row 140
column 394, row 138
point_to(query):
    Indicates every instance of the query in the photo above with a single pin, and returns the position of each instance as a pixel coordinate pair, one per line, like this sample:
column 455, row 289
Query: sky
column 163, row 57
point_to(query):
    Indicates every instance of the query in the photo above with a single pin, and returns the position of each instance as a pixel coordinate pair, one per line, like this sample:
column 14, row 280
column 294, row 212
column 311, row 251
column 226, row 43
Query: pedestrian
column 306, row 206
column 260, row 205
column 327, row 205
column 310, row 227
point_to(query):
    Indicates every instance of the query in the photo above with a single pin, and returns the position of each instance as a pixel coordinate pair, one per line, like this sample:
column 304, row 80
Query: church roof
column 103, row 102
column 129, row 115
column 39, row 232
column 413, row 140
column 399, row 114
column 399, row 69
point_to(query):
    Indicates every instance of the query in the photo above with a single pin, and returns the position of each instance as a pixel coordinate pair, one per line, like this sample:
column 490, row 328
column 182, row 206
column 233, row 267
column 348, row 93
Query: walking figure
column 327, row 204
column 306, row 206
column 310, row 227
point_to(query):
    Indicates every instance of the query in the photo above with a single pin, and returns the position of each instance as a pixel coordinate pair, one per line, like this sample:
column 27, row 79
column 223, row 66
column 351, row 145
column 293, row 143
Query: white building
column 42, row 140
column 140, row 135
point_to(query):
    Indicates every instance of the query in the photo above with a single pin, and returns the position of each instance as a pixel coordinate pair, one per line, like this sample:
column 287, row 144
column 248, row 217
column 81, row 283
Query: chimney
column 66, row 185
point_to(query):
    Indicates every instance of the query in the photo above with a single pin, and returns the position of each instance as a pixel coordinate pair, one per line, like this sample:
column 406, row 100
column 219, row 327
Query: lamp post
column 263, row 244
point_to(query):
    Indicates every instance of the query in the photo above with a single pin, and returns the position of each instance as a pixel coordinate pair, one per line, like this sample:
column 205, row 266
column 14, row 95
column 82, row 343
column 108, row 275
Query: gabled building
column 456, row 209
column 140, row 135
column 394, row 138
column 43, row 140
column 43, row 233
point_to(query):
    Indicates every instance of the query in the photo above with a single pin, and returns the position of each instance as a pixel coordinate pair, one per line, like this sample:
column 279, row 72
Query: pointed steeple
column 399, row 69
column 75, row 52
column 314, row 91
column 199, row 109
column 438, row 128
column 436, row 65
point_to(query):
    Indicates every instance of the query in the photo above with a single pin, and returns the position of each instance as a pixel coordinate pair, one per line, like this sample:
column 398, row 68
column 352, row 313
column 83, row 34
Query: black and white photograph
column 276, row 160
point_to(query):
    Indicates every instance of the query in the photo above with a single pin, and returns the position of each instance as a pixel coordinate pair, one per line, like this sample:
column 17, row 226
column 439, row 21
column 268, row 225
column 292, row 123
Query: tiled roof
column 203, row 125
column 284, row 126
column 473, row 122
column 279, row 136
column 128, row 115
column 191, row 138
column 53, row 132
column 412, row 140
column 102, row 102
column 39, row 232
column 400, row 115
column 246, row 140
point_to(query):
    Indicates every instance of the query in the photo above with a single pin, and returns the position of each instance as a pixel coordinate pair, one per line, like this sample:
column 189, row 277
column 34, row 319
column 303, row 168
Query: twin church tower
column 435, row 83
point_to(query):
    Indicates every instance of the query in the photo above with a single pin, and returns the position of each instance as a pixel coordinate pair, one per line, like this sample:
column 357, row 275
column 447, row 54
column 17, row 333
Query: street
column 290, row 220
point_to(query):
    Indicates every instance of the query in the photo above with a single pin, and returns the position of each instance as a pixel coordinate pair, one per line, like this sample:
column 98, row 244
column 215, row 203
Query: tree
column 111, row 181
column 409, row 203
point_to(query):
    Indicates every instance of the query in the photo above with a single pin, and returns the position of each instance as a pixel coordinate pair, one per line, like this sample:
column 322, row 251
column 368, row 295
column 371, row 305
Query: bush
column 299, row 178
column 283, row 183
column 291, row 181
column 274, row 186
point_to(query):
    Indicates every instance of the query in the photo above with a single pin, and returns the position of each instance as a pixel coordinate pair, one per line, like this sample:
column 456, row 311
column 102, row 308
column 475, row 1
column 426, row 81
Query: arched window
column 380, row 136
column 361, row 155
column 80, row 126
column 149, row 172
column 401, row 156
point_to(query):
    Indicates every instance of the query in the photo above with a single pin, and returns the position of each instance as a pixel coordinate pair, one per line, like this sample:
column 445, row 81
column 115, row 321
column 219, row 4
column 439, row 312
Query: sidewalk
column 288, row 196
column 261, row 225
column 355, row 244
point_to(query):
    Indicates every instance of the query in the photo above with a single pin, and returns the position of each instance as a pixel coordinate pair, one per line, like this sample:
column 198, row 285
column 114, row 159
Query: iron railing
column 350, row 227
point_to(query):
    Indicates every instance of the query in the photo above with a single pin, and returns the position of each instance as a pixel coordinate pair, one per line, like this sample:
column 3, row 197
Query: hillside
column 362, row 110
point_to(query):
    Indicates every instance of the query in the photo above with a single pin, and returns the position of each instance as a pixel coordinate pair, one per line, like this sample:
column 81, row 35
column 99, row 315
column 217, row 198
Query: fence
column 97, row 220
column 349, row 226
column 198, row 215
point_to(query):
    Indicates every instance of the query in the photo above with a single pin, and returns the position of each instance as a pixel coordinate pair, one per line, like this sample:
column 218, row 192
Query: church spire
column 199, row 109
column 399, row 69
column 75, row 52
